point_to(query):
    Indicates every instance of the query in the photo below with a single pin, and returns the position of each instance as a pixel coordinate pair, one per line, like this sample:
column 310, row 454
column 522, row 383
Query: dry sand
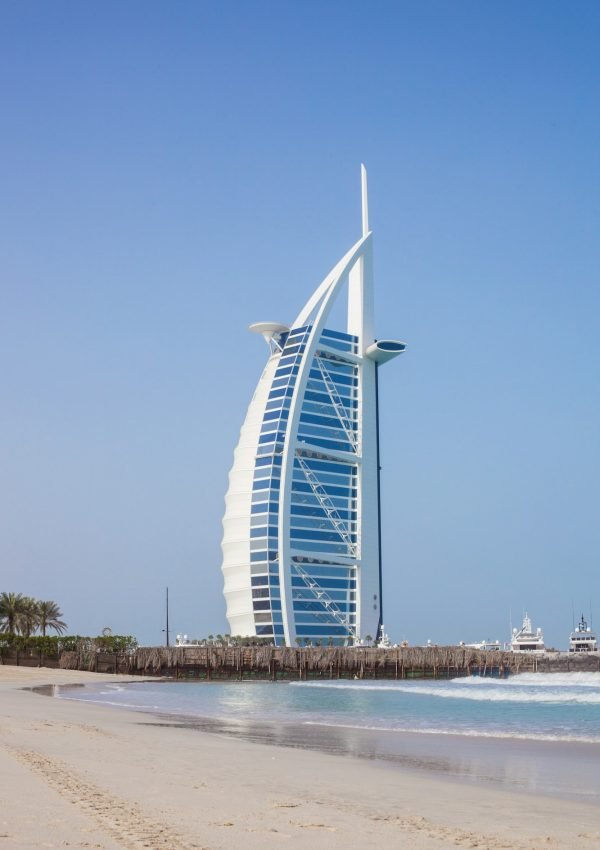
column 77, row 775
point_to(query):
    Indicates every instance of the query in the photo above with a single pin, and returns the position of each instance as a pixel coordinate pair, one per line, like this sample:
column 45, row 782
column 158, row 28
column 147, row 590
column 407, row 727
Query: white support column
column 360, row 284
column 361, row 324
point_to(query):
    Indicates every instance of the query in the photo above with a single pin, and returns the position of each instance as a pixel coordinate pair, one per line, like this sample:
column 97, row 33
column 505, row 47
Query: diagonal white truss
column 338, row 404
column 327, row 505
column 329, row 606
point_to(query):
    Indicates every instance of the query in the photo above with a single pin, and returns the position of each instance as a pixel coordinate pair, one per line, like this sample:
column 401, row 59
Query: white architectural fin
column 360, row 286
column 332, row 281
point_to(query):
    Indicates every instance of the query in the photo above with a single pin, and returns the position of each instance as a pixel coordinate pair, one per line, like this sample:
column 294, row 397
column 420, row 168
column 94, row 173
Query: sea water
column 552, row 707
column 538, row 732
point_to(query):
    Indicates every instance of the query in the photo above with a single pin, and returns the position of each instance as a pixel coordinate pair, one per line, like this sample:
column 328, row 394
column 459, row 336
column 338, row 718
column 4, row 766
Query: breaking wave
column 575, row 689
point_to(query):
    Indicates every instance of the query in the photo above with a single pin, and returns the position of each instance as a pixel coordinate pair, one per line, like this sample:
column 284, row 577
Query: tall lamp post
column 167, row 622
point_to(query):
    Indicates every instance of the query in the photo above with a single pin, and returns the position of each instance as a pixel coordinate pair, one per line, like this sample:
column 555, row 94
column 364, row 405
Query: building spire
column 365, row 199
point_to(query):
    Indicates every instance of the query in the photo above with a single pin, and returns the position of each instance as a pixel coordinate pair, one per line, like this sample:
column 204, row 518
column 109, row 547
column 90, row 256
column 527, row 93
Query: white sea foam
column 540, row 680
column 129, row 705
column 465, row 733
column 480, row 690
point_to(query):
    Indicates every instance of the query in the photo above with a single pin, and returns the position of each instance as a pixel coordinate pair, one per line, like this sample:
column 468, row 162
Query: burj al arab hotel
column 301, row 543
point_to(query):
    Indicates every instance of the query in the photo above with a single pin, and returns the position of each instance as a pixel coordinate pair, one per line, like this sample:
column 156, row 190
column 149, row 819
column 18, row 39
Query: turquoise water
column 544, row 707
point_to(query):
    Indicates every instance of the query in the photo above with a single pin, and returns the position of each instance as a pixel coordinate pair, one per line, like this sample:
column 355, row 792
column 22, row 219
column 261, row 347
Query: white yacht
column 583, row 638
column 384, row 642
column 485, row 645
column 525, row 639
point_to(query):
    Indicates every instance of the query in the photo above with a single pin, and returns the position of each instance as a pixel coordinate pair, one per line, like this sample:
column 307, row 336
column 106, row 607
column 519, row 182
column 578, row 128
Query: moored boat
column 485, row 645
column 583, row 639
column 526, row 639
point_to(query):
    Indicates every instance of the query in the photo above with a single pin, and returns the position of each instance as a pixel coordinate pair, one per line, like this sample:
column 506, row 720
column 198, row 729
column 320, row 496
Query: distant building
column 301, row 543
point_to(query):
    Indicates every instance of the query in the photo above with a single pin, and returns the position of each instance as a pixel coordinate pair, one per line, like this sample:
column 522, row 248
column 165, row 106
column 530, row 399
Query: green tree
column 12, row 607
column 49, row 617
column 28, row 619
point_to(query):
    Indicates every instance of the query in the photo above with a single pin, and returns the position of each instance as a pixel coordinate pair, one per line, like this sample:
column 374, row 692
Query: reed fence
column 281, row 663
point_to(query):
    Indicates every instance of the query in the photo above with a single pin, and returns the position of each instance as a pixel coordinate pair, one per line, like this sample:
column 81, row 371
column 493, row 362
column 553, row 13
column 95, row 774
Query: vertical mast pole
column 380, row 565
column 364, row 199
column 167, row 623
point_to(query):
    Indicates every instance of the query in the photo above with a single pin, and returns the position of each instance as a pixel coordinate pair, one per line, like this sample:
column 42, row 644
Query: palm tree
column 48, row 617
column 12, row 606
column 28, row 618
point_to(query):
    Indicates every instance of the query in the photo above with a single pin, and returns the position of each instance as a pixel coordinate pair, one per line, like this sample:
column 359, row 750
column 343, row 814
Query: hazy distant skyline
column 172, row 173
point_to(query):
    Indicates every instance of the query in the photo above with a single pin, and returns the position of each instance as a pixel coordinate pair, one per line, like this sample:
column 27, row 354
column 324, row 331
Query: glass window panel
column 317, row 534
column 256, row 581
column 263, row 618
column 335, row 367
column 328, row 466
column 339, row 379
column 322, row 443
column 326, row 478
column 317, row 511
column 329, row 333
column 332, row 420
column 328, row 628
column 312, row 546
column 301, row 499
column 336, row 433
column 299, row 331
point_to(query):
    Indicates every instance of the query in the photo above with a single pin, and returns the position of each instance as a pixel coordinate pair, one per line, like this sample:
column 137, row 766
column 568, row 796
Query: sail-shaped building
column 302, row 525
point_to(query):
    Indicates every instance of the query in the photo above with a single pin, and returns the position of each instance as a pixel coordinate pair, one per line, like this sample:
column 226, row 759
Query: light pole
column 167, row 623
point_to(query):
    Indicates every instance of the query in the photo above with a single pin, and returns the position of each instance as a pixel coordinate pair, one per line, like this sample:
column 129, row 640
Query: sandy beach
column 86, row 776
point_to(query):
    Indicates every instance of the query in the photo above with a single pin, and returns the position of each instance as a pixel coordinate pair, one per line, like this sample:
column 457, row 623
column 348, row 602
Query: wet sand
column 86, row 776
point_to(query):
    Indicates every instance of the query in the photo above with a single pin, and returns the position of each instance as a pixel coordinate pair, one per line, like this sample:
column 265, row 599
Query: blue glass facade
column 323, row 522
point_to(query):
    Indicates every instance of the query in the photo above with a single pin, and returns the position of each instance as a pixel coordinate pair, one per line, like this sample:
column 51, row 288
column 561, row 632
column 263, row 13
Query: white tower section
column 301, row 544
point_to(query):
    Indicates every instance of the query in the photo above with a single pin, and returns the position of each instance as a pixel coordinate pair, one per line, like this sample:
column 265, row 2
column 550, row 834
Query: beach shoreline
column 565, row 768
column 116, row 778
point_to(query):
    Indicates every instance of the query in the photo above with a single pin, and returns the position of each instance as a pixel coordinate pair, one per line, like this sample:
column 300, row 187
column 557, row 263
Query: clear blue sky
column 171, row 172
